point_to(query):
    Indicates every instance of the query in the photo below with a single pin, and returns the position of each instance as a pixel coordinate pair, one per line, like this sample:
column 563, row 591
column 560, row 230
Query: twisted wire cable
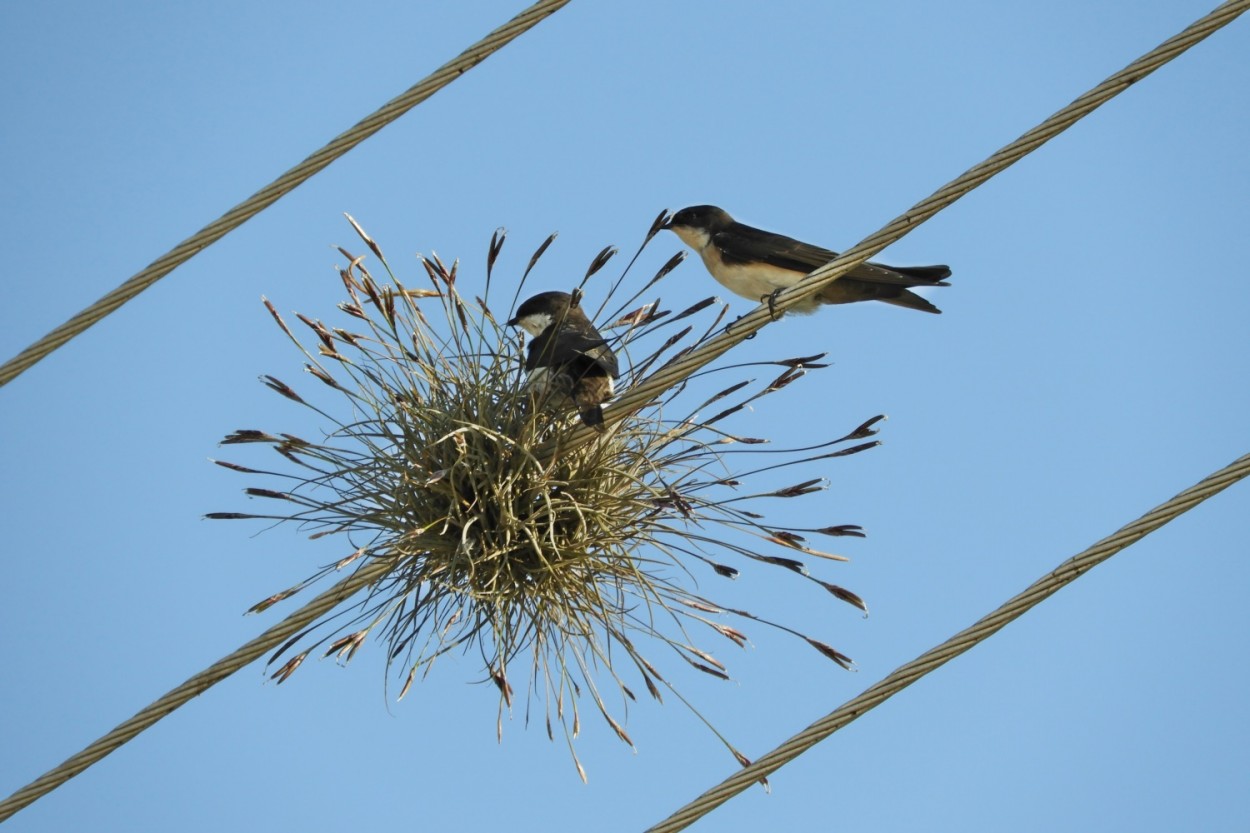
column 934, row 658
column 368, row 573
column 287, row 182
column 672, row 374
column 745, row 327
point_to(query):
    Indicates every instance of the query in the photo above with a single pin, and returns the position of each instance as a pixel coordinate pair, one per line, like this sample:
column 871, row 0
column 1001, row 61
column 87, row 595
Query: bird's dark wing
column 580, row 352
column 742, row 244
column 606, row 359
column 603, row 357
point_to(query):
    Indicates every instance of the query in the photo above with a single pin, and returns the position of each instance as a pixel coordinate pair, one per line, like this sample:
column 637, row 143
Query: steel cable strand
column 745, row 327
column 671, row 375
column 369, row 573
column 285, row 183
column 934, row 658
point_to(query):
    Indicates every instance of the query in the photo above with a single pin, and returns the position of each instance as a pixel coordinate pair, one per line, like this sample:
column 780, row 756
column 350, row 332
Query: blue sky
column 1091, row 363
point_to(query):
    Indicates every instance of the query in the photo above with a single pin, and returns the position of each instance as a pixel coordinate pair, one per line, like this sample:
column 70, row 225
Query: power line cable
column 665, row 378
column 272, row 192
column 745, row 327
column 367, row 574
column 934, row 658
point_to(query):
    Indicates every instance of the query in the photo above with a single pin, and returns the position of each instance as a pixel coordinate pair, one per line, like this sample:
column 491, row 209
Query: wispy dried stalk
column 571, row 565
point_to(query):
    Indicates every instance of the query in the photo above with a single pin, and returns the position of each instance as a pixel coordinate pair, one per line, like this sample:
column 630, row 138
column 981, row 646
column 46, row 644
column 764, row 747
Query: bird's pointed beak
column 513, row 322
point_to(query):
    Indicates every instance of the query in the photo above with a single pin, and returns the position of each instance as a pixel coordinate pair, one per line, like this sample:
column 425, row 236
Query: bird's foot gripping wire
column 771, row 298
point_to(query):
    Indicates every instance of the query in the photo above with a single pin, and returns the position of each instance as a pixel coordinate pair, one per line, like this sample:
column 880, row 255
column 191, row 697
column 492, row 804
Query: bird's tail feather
column 912, row 301
column 850, row 290
column 925, row 274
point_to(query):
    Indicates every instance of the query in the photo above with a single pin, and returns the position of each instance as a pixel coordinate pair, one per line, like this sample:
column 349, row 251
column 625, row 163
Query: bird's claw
column 771, row 298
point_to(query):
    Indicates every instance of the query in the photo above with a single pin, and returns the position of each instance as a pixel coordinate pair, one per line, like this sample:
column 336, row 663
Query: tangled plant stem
column 571, row 562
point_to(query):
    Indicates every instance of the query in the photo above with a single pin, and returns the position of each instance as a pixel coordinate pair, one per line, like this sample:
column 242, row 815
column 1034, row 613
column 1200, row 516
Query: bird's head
column 538, row 313
column 696, row 225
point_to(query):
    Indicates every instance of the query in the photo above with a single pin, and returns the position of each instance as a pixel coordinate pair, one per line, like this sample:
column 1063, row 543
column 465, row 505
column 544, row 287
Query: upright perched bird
column 755, row 264
column 568, row 358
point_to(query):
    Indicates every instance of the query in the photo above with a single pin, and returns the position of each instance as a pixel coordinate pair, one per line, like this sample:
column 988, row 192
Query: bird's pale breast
column 753, row 281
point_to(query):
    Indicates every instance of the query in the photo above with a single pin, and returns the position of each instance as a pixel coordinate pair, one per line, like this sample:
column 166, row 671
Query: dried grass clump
column 503, row 537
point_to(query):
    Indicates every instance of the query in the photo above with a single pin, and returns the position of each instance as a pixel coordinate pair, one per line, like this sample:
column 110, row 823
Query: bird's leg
column 771, row 298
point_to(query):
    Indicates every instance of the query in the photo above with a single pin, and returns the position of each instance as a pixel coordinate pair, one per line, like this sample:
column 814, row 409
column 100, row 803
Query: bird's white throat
column 535, row 323
column 695, row 238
